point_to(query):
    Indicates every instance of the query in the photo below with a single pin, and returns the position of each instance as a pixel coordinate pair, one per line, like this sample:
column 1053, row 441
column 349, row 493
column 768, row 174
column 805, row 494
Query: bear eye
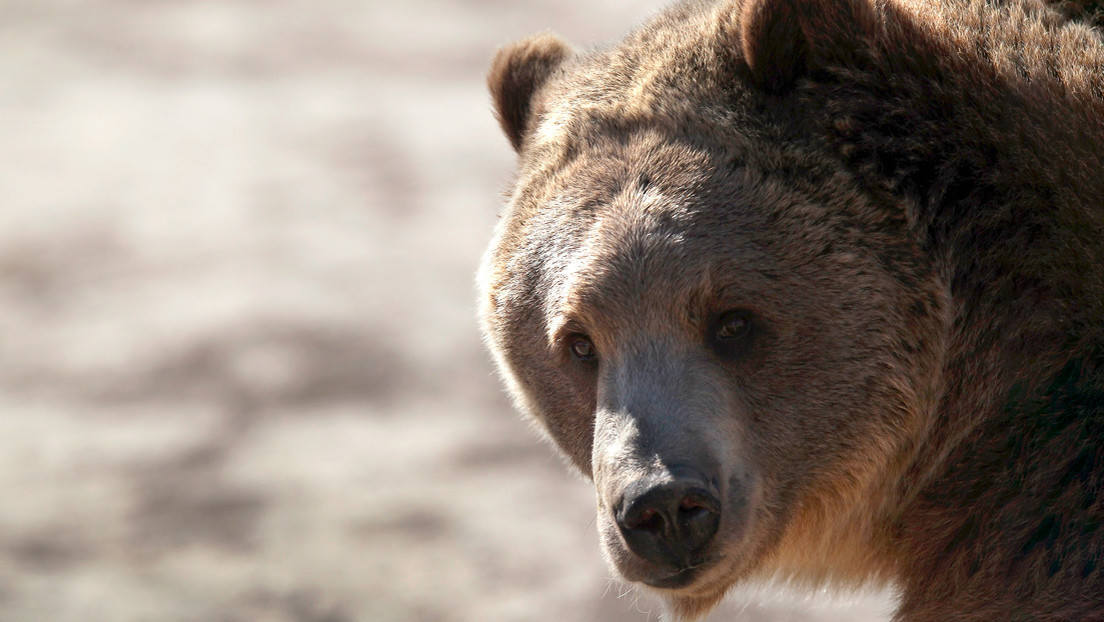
column 582, row 348
column 731, row 333
column 733, row 325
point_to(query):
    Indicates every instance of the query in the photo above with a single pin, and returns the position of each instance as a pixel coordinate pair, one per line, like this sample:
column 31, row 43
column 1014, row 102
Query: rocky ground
column 240, row 377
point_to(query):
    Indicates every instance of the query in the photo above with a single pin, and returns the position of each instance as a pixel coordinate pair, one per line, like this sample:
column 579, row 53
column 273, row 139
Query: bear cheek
column 562, row 404
column 563, row 409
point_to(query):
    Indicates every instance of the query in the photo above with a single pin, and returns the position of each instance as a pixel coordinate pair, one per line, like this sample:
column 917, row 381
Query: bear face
column 763, row 305
column 649, row 322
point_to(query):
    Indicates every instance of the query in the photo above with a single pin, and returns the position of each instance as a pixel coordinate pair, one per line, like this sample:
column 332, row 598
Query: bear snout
column 669, row 522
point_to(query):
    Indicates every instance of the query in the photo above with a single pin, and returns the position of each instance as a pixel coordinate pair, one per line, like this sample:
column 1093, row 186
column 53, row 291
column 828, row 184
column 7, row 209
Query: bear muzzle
column 663, row 467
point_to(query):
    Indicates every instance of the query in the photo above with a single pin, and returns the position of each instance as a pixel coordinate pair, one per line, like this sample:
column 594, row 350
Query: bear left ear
column 783, row 40
column 517, row 72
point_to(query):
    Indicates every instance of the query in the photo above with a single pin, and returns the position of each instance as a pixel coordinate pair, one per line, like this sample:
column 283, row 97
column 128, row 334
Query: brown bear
column 814, row 290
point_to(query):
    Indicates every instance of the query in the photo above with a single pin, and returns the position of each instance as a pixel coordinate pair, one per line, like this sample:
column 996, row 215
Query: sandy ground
column 240, row 377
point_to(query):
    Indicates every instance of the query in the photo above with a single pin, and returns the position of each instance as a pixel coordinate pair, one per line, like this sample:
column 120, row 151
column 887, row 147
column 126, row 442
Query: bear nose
column 669, row 523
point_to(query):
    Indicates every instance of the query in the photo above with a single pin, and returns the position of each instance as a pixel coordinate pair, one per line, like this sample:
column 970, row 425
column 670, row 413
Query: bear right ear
column 518, row 70
column 783, row 40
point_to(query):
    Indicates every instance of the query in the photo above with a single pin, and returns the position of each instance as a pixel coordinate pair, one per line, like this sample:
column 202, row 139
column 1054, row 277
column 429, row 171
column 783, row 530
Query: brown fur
column 908, row 198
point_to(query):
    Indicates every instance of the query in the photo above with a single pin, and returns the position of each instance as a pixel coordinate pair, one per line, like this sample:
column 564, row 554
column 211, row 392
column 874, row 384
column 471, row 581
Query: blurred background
column 240, row 375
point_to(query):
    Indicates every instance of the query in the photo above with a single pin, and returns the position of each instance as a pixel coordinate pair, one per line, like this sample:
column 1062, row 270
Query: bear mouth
column 683, row 578
column 679, row 580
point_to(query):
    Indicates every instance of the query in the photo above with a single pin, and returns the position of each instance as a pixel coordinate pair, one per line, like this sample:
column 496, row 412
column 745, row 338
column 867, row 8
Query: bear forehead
column 638, row 253
column 641, row 208
column 627, row 244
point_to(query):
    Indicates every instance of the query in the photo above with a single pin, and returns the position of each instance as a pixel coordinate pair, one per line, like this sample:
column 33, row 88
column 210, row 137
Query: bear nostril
column 696, row 502
column 648, row 520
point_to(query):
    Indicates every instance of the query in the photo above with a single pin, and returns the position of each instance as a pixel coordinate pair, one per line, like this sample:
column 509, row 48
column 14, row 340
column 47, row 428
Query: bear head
column 734, row 337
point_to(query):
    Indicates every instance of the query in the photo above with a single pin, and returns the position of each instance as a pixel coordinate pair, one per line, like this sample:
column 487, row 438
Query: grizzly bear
column 814, row 290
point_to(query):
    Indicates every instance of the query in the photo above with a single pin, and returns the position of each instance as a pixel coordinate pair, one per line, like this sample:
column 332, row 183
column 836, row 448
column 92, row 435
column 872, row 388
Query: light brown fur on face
column 798, row 285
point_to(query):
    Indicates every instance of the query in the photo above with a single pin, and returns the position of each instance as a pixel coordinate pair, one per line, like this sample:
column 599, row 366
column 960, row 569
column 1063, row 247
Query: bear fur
column 832, row 269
